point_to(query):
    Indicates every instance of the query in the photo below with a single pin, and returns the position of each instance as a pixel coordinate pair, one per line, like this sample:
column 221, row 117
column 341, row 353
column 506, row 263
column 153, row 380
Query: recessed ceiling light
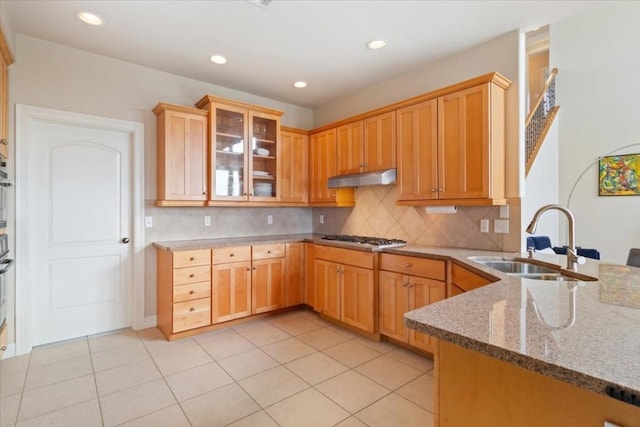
column 89, row 18
column 376, row 44
column 218, row 59
column 300, row 84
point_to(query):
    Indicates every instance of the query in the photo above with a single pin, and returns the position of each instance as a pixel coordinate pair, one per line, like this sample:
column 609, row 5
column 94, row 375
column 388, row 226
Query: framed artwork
column 619, row 175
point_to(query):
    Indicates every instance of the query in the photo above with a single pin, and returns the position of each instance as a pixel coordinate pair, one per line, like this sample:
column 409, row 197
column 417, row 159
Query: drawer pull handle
column 192, row 275
column 192, row 258
column 191, row 292
column 231, row 254
column 192, row 309
column 407, row 265
column 268, row 252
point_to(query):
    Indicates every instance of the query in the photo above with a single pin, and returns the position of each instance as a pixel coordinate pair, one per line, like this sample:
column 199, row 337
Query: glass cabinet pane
column 230, row 128
column 264, row 133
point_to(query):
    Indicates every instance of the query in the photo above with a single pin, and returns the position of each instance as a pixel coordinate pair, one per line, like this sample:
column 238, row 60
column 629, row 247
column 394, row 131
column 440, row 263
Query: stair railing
column 538, row 120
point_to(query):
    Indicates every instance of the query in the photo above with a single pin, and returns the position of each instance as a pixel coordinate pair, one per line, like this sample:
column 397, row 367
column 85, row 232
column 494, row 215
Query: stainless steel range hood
column 384, row 177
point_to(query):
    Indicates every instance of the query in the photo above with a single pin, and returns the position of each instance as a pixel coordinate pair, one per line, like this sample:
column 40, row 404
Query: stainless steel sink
column 521, row 267
column 518, row 267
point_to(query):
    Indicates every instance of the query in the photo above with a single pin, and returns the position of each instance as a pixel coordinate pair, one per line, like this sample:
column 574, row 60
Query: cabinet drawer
column 192, row 291
column 182, row 276
column 268, row 251
column 344, row 256
column 191, row 258
column 423, row 267
column 233, row 254
column 191, row 314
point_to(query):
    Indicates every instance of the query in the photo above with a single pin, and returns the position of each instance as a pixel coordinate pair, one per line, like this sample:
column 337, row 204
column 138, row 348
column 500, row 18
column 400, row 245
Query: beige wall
column 597, row 89
column 537, row 64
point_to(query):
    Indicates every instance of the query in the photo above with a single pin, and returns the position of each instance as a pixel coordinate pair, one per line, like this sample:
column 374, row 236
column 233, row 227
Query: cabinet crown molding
column 207, row 100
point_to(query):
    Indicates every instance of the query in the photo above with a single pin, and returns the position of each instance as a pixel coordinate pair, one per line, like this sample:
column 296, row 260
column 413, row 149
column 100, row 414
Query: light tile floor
column 289, row 370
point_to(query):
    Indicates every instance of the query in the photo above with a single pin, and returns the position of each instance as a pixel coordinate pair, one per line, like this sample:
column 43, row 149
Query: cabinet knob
column 407, row 265
column 268, row 252
column 192, row 258
column 440, row 189
column 192, row 309
column 4, row 347
column 410, row 285
column 231, row 254
column 248, row 269
column 192, row 275
column 191, row 292
column 433, row 190
column 3, row 141
column 125, row 240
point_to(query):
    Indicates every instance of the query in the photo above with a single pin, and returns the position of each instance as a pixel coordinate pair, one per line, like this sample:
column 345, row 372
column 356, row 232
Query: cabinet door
column 267, row 285
column 357, row 295
column 418, row 151
column 350, row 148
column 380, row 142
column 327, row 280
column 4, row 108
column 463, row 144
column 394, row 302
column 230, row 291
column 424, row 292
column 293, row 180
column 323, row 166
column 309, row 277
column 263, row 151
column 229, row 159
column 294, row 283
column 182, row 155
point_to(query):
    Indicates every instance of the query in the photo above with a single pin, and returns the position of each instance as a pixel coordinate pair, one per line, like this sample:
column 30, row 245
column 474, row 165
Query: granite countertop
column 586, row 333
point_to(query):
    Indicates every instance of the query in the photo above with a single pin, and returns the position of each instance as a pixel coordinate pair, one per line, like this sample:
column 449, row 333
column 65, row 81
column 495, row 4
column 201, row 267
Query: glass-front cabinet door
column 263, row 161
column 245, row 145
column 229, row 153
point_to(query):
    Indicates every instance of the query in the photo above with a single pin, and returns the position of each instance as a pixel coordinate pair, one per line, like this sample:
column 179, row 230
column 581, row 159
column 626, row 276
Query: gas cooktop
column 373, row 242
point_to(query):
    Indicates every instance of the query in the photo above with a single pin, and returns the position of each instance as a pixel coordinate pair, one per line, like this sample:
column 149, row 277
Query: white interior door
column 79, row 224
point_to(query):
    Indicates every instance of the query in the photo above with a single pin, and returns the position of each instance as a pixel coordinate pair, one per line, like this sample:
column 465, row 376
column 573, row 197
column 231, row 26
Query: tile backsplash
column 376, row 214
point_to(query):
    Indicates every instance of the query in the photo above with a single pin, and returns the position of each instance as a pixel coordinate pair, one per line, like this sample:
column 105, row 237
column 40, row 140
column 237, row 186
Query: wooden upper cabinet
column 460, row 158
column 245, row 150
column 323, row 165
column 463, row 141
column 350, row 154
column 182, row 154
column 417, row 132
column 294, row 171
column 380, row 142
column 6, row 59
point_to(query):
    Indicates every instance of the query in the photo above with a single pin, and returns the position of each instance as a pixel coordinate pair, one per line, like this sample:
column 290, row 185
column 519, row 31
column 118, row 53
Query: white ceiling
column 319, row 41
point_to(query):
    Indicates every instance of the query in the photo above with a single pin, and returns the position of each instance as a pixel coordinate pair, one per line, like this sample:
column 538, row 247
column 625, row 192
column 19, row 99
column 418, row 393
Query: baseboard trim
column 150, row 322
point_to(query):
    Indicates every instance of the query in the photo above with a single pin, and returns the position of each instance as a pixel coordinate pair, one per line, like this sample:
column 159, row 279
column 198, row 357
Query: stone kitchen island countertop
column 585, row 333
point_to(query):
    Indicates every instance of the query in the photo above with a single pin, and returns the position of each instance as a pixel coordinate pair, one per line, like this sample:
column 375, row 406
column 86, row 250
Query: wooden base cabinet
column 401, row 292
column 267, row 278
column 231, row 283
column 295, row 277
column 345, row 286
column 464, row 280
column 184, row 290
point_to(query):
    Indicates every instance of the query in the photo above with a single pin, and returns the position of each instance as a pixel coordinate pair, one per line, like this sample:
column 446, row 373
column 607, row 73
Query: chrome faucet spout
column 572, row 257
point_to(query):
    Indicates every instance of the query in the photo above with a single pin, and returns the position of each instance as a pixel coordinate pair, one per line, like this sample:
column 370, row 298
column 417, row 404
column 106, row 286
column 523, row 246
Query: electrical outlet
column 321, row 219
column 501, row 226
column 269, row 219
column 484, row 225
column 148, row 221
column 207, row 221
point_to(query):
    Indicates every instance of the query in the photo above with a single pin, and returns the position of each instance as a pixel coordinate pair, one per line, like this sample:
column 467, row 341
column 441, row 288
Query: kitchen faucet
column 572, row 256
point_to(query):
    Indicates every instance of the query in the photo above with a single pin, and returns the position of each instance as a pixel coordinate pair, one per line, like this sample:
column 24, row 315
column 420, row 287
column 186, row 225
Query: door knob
column 125, row 240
